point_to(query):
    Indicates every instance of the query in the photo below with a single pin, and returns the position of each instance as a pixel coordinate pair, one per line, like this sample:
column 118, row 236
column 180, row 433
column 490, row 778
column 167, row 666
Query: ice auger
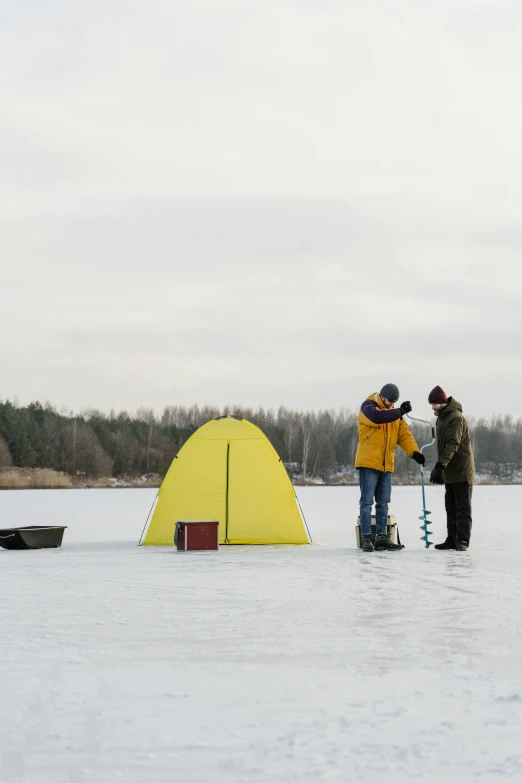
column 424, row 516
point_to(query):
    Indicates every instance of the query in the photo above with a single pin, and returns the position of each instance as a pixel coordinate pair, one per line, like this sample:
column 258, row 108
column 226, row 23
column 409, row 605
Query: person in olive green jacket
column 455, row 468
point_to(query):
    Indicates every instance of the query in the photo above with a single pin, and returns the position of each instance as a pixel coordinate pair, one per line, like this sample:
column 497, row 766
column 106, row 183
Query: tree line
column 315, row 446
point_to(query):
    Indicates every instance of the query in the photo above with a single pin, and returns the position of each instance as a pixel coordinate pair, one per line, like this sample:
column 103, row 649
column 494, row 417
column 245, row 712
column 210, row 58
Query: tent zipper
column 226, row 495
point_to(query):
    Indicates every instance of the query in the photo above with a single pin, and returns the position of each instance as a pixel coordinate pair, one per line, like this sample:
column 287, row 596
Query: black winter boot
column 461, row 546
column 367, row 545
column 383, row 543
column 447, row 544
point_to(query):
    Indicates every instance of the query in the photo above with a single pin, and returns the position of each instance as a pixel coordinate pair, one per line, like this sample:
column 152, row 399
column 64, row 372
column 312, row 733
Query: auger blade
column 426, row 540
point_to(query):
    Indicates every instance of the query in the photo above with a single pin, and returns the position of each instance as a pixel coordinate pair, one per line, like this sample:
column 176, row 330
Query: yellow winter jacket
column 381, row 429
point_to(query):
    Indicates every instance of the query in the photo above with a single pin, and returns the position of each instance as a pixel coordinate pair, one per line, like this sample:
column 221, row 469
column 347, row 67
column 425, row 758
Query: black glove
column 418, row 457
column 405, row 407
column 436, row 474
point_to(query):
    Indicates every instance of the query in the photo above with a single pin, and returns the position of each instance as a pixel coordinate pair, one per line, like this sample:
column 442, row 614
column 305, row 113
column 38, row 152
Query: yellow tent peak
column 228, row 428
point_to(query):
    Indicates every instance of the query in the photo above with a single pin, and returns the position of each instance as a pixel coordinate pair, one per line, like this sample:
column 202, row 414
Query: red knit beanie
column 438, row 396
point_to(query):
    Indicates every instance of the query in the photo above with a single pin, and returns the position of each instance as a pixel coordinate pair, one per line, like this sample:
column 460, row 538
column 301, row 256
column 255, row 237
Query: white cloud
column 260, row 202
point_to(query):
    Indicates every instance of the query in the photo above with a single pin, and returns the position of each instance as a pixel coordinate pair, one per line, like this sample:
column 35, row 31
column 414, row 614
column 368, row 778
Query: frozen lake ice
column 316, row 663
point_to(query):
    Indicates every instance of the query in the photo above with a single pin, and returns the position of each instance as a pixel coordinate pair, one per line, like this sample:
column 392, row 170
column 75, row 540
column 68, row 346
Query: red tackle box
column 196, row 534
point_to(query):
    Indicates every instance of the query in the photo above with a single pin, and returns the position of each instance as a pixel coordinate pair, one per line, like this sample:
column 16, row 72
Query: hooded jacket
column 381, row 429
column 454, row 445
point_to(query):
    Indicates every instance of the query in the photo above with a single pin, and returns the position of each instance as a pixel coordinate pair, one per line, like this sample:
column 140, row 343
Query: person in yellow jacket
column 381, row 429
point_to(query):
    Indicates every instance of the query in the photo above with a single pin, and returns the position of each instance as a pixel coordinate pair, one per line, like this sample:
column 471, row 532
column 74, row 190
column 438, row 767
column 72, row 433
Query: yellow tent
column 228, row 470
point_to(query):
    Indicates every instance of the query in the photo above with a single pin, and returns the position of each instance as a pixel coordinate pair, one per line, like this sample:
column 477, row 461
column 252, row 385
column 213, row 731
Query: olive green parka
column 454, row 445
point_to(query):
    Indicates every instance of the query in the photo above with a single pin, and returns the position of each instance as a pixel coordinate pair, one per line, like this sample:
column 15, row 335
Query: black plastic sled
column 32, row 537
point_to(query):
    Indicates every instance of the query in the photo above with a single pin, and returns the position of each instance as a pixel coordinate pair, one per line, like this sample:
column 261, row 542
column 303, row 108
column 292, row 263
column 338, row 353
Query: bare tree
column 147, row 415
column 288, row 423
column 307, row 431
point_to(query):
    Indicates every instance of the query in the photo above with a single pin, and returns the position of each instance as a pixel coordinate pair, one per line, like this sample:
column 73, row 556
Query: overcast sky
column 288, row 202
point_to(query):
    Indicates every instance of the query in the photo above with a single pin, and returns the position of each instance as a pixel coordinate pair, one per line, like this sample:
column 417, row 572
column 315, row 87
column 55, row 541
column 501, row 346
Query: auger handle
column 426, row 445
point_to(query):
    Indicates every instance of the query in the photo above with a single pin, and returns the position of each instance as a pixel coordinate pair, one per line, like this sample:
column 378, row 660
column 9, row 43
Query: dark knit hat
column 437, row 396
column 390, row 391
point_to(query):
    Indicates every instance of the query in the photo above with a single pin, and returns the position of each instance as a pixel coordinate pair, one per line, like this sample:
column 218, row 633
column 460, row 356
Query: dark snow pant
column 458, row 511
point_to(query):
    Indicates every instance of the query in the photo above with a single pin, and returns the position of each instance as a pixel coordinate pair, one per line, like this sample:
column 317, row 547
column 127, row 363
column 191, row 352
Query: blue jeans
column 374, row 484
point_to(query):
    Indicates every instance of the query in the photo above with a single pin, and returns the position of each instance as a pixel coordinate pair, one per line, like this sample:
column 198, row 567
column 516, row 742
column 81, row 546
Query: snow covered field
column 317, row 663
